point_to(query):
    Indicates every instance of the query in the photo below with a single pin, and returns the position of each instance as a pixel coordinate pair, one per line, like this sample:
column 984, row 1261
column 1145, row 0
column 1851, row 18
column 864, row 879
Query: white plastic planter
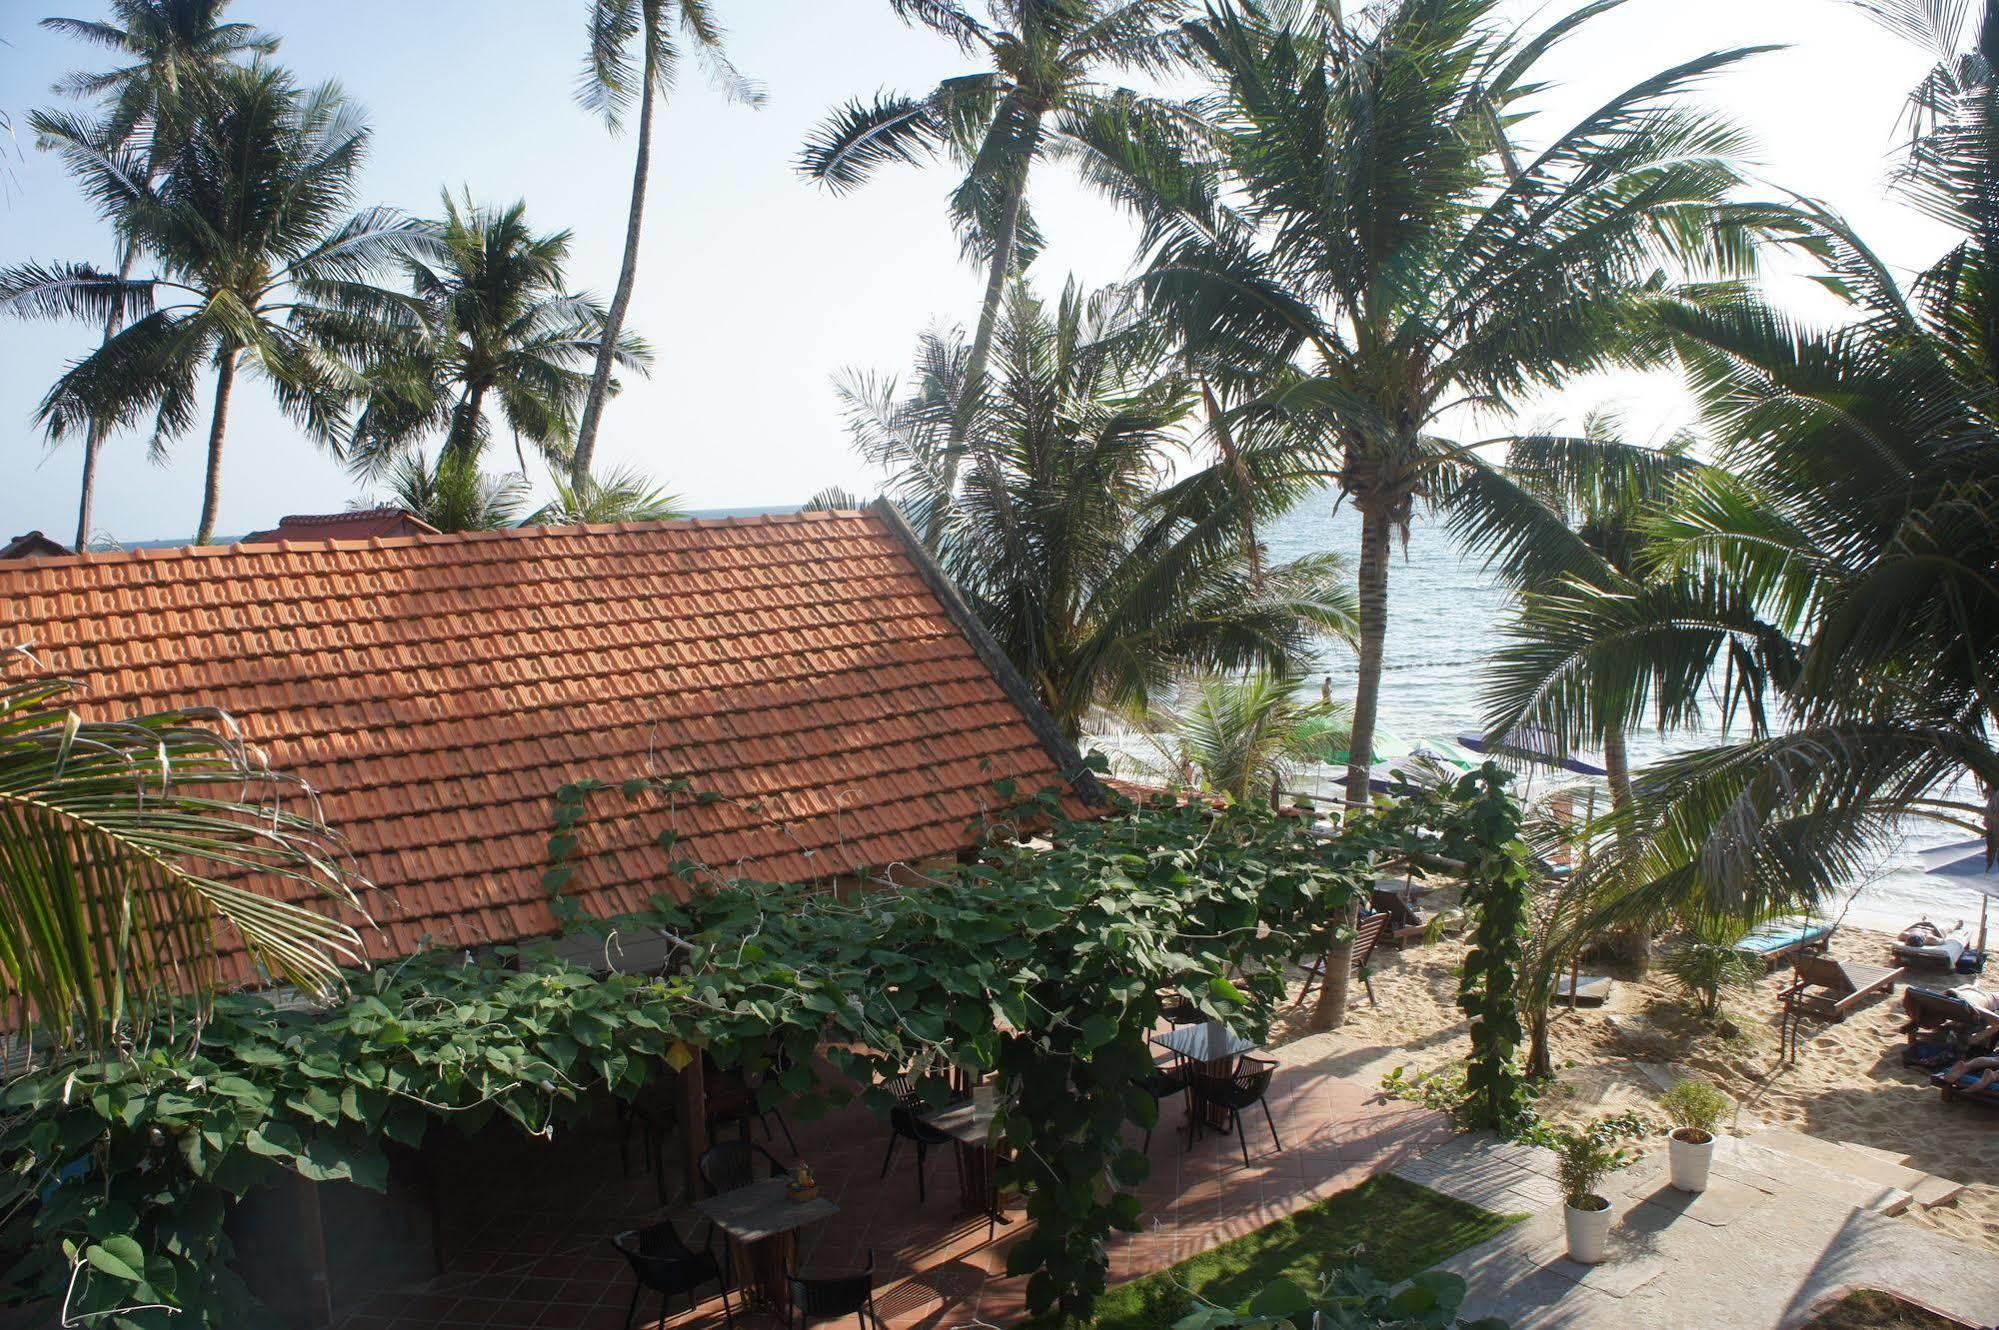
column 1589, row 1230
column 1691, row 1159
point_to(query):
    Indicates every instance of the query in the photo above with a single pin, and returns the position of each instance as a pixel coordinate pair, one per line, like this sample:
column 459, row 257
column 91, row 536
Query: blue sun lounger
column 1775, row 942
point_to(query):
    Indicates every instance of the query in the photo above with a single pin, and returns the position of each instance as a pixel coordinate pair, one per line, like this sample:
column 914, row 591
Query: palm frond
column 124, row 841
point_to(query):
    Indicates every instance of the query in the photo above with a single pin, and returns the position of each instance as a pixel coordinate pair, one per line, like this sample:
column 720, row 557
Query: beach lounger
column 1943, row 956
column 1960, row 1088
column 1831, row 988
column 1781, row 939
column 1367, row 933
column 1406, row 919
column 1941, row 1017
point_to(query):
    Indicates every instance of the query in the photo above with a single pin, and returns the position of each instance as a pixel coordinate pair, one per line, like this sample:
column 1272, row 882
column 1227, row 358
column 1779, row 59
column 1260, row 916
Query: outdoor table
column 763, row 1222
column 1214, row 1047
column 969, row 1124
column 1209, row 1044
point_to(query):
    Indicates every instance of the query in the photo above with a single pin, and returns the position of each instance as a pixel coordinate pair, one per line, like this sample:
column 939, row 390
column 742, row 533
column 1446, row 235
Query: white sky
column 756, row 288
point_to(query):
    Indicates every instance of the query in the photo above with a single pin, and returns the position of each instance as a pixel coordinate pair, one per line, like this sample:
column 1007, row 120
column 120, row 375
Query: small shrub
column 1696, row 1107
column 1708, row 968
column 1586, row 1155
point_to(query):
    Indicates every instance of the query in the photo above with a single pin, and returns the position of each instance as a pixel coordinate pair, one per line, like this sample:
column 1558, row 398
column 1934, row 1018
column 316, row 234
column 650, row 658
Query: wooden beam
column 693, row 1112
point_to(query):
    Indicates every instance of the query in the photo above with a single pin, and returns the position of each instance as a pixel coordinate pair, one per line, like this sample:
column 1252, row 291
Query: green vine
column 1043, row 963
column 1498, row 896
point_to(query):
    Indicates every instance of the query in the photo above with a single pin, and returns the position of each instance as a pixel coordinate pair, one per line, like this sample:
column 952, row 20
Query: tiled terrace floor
column 528, row 1245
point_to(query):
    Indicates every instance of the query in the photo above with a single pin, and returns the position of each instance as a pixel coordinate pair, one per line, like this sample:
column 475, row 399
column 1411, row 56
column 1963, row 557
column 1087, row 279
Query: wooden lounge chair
column 1831, row 988
column 1937, row 1017
column 1961, row 1089
column 1781, row 939
column 1406, row 919
column 1367, row 933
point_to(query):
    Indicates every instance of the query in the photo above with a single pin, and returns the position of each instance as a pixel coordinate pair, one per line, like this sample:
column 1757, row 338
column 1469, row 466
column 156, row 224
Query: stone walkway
column 1770, row 1243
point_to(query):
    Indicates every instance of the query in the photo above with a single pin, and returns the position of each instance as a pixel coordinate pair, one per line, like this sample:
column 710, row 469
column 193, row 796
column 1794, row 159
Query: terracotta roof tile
column 437, row 689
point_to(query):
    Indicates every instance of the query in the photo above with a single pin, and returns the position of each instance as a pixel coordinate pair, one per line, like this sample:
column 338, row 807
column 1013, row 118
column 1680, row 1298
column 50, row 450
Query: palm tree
column 1567, row 511
column 625, row 495
column 123, row 842
column 173, row 48
column 248, row 227
column 1856, row 508
column 1040, row 98
column 495, row 323
column 1398, row 257
column 1243, row 735
column 455, row 495
column 610, row 85
column 1098, row 595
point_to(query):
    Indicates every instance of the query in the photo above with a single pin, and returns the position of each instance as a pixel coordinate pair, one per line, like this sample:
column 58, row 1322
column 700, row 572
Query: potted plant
column 1585, row 1156
column 1695, row 1107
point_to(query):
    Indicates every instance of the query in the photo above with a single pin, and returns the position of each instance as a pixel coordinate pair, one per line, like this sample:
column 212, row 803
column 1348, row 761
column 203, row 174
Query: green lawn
column 1399, row 1227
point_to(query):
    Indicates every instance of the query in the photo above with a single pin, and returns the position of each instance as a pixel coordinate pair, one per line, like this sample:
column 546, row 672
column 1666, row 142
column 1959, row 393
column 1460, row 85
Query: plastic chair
column 728, row 1165
column 1232, row 1094
column 661, row 1262
column 905, row 1125
column 841, row 1295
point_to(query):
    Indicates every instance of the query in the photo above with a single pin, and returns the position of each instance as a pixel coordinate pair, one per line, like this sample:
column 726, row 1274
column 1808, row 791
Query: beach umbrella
column 1446, row 753
column 1387, row 747
column 1530, row 744
column 1965, row 861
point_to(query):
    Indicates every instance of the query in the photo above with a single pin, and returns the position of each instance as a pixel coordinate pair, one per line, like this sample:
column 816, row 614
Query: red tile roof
column 437, row 689
column 355, row 524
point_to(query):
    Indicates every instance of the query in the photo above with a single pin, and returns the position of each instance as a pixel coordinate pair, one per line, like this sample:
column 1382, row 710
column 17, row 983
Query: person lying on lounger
column 1987, row 1069
column 1984, row 1006
column 1923, row 933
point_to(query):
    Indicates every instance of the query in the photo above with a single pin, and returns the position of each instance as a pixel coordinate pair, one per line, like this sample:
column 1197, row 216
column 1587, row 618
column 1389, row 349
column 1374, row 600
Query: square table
column 763, row 1221
column 969, row 1124
column 1208, row 1043
column 1214, row 1048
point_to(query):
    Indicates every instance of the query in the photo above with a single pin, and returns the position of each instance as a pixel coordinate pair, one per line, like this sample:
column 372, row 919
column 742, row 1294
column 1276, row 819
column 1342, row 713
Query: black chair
column 732, row 1101
column 652, row 1113
column 727, row 1165
column 906, row 1124
column 841, row 1295
column 661, row 1262
column 1232, row 1094
column 1165, row 1082
column 1179, row 1011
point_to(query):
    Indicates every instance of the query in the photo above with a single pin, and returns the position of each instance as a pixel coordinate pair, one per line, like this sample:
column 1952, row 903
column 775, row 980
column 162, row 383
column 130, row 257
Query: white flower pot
column 1691, row 1160
column 1589, row 1230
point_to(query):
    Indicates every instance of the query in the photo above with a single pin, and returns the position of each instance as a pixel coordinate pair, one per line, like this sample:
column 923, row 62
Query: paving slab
column 1886, row 1156
column 1724, row 1201
column 1772, row 1169
column 1837, row 1158
column 1619, row 1276
column 1795, row 1237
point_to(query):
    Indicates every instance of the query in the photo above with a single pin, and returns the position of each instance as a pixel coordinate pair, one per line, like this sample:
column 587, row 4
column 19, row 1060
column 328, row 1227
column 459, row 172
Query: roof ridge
column 547, row 531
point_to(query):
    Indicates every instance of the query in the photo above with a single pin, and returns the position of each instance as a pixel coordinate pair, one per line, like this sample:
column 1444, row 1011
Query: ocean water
column 1444, row 617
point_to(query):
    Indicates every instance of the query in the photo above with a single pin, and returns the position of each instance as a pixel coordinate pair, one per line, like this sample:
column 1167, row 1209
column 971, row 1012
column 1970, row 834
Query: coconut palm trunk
column 211, row 493
column 1630, row 945
column 997, row 272
column 621, row 299
column 99, row 431
column 1372, row 580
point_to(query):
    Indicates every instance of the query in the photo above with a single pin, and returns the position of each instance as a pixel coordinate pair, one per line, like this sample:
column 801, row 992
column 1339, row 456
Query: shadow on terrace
column 524, row 1229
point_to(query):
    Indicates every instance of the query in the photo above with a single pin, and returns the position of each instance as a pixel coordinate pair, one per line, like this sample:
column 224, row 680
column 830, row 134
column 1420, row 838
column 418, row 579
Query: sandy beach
column 1848, row 1083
